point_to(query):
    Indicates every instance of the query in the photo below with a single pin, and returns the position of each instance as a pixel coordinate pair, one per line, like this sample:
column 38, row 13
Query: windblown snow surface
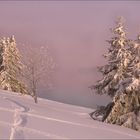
column 21, row 118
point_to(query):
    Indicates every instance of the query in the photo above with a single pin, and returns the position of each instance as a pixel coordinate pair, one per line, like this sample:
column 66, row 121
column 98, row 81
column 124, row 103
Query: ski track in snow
column 20, row 120
column 49, row 135
column 58, row 109
column 56, row 120
column 21, row 113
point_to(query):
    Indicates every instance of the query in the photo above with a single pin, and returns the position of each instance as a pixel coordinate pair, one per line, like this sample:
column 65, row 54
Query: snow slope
column 21, row 118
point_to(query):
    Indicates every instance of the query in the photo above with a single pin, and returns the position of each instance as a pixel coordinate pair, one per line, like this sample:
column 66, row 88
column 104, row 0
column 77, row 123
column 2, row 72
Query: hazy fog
column 75, row 32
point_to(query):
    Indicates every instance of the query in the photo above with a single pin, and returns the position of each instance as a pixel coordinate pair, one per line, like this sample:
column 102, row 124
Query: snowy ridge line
column 41, row 99
column 22, row 107
column 10, row 93
column 72, row 112
column 79, row 113
column 61, row 103
column 35, row 131
column 63, row 110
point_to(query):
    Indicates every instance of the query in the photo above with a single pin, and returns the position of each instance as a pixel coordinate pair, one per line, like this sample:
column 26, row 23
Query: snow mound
column 21, row 118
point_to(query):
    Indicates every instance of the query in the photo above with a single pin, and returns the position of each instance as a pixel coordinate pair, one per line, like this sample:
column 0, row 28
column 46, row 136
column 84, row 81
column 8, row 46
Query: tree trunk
column 108, row 109
column 103, row 111
column 35, row 99
column 35, row 94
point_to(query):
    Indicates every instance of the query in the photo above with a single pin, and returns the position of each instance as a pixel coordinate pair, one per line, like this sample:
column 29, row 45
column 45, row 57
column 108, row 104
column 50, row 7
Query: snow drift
column 21, row 118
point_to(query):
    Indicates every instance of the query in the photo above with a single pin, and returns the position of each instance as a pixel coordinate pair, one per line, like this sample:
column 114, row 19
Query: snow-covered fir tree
column 126, row 111
column 118, row 59
column 10, row 66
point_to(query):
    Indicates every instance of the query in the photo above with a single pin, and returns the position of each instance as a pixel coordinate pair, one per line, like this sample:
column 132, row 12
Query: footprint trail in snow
column 20, row 120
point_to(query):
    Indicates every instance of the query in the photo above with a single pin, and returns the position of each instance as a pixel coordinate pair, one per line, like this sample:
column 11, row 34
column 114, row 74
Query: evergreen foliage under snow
column 121, row 80
column 10, row 66
column 118, row 60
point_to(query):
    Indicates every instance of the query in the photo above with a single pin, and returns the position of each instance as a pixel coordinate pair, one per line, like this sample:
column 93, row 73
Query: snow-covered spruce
column 10, row 66
column 118, row 59
column 126, row 111
column 121, row 80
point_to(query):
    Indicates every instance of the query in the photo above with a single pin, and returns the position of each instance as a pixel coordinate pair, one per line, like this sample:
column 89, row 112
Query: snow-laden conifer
column 11, row 66
column 118, row 59
column 126, row 110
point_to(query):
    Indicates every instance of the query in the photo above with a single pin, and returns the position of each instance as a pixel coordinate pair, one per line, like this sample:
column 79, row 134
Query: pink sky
column 75, row 32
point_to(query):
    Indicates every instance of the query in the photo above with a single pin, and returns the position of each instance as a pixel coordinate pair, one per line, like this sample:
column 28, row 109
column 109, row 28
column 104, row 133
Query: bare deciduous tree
column 39, row 66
